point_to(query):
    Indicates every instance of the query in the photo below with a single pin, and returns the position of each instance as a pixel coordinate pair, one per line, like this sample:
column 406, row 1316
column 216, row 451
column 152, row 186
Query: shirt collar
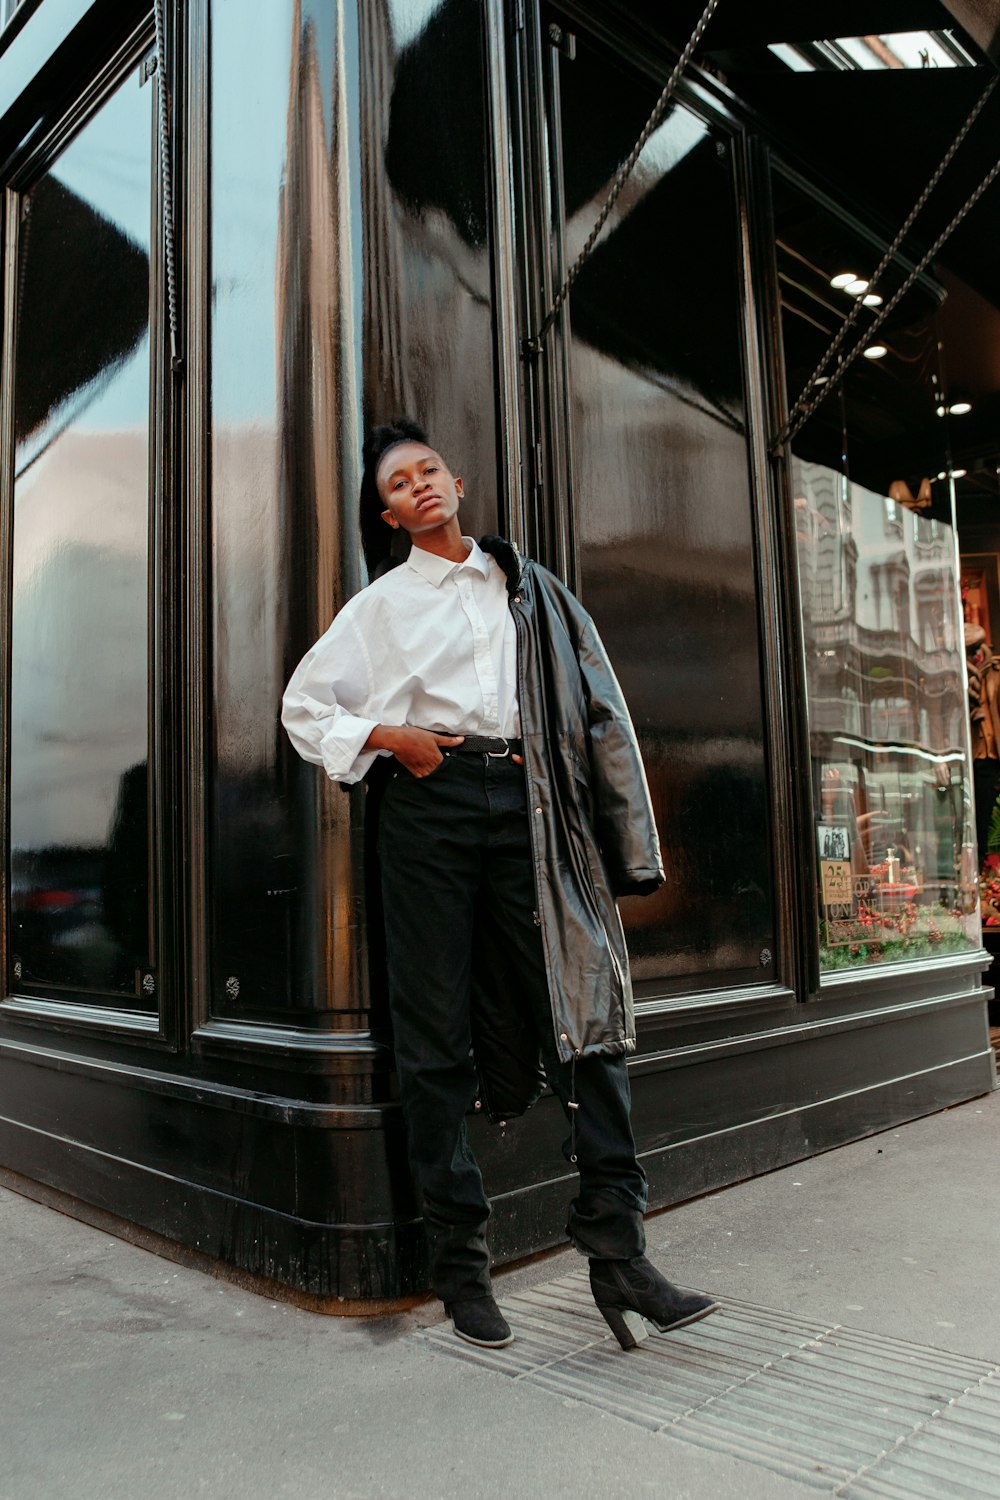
column 436, row 569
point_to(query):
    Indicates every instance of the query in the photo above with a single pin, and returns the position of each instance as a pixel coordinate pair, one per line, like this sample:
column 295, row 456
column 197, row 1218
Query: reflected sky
column 108, row 167
column 254, row 44
column 79, row 682
column 409, row 17
column 246, row 203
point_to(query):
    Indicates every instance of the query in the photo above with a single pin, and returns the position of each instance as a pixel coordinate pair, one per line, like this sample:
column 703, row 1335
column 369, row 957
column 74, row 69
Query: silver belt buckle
column 500, row 754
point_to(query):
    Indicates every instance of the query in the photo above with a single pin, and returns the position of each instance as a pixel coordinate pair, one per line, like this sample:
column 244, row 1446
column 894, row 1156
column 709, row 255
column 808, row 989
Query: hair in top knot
column 376, row 539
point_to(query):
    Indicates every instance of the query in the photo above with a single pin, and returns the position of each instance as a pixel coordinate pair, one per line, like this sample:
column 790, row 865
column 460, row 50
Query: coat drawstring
column 572, row 1106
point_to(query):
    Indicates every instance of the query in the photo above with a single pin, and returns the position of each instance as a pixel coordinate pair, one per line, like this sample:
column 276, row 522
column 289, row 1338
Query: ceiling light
column 875, row 351
column 960, row 408
column 857, row 286
column 821, row 380
column 872, row 300
column 842, row 279
column 941, row 411
column 958, row 473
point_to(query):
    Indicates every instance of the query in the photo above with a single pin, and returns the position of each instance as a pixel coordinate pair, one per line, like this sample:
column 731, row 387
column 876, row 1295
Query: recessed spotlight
column 942, row 475
column 875, row 351
column 958, row 473
column 856, row 287
column 842, row 279
column 821, row 380
column 960, row 408
column 872, row 300
column 941, row 411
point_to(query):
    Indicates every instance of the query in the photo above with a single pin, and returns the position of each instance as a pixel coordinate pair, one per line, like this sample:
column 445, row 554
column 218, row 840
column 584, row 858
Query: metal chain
column 835, row 380
column 792, row 424
column 176, row 363
column 533, row 345
column 23, row 241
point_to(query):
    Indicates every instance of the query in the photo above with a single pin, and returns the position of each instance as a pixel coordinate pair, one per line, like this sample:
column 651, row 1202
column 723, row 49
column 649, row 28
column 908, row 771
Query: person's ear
column 459, row 487
column 390, row 519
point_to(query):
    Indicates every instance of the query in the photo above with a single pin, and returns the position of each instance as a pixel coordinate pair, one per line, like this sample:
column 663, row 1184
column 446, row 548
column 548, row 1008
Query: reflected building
column 887, row 705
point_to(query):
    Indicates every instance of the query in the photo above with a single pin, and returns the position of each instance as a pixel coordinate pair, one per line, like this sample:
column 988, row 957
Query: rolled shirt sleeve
column 328, row 706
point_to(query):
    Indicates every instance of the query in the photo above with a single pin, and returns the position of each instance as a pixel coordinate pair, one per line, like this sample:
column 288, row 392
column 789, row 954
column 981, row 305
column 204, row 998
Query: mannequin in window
column 984, row 715
column 900, row 490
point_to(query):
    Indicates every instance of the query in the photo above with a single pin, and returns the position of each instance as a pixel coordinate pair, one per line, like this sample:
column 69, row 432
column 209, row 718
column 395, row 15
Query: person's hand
column 418, row 749
column 518, row 760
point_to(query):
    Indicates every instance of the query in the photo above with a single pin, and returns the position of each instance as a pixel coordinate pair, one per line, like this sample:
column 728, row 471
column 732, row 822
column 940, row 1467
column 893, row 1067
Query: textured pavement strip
column 959, row 1448
column 842, row 1410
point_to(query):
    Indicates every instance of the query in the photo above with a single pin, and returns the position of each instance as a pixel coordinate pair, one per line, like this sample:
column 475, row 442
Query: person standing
column 473, row 686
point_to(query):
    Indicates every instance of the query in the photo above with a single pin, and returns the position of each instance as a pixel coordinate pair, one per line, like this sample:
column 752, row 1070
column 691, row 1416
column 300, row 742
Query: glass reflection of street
column 79, row 668
column 873, row 488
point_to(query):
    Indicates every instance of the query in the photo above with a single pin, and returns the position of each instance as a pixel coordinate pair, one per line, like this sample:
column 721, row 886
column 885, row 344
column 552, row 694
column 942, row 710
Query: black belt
column 484, row 744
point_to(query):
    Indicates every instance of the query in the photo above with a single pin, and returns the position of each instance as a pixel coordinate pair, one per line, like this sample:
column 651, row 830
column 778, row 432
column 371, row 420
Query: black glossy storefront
column 373, row 202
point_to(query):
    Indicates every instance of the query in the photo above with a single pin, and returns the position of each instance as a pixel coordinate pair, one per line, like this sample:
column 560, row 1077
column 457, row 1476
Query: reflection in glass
column 663, row 514
column 352, row 282
column 428, row 273
column 877, row 563
column 79, row 848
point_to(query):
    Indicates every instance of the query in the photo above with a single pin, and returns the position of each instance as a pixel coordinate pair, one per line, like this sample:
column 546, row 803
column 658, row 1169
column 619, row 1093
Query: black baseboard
column 372, row 1265
column 351, row 1262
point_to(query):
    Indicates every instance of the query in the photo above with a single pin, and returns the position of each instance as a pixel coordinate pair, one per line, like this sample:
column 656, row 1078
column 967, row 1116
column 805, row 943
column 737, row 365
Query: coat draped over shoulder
column 593, row 838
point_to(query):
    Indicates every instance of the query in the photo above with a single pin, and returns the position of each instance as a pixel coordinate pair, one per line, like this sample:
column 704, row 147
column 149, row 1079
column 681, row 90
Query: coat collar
column 508, row 557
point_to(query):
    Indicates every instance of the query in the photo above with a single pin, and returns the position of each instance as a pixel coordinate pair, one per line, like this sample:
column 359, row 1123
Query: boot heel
column 628, row 1327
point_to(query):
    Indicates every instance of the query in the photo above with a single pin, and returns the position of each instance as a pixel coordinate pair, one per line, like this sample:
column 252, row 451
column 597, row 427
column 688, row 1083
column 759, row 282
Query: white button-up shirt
column 432, row 644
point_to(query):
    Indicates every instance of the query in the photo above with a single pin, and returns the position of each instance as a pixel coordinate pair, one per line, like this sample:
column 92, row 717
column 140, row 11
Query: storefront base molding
column 346, row 1268
column 362, row 1269
column 210, row 1265
column 319, row 1200
column 704, row 1163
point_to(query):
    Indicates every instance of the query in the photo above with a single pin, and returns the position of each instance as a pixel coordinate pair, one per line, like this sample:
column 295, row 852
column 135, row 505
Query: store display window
column 82, row 538
column 872, row 478
column 661, row 508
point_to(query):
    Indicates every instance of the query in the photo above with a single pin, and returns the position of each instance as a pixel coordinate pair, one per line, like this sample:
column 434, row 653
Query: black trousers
column 455, row 857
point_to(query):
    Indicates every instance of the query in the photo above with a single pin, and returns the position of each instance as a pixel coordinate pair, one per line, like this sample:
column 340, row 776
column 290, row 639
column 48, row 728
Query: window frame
column 32, row 1004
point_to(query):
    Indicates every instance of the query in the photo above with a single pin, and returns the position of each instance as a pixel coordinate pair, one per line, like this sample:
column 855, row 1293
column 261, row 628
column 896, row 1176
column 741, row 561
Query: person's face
column 419, row 490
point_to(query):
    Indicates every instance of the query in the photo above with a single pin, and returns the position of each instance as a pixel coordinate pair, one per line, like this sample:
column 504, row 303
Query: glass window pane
column 663, row 512
column 79, row 855
column 873, row 487
column 352, row 282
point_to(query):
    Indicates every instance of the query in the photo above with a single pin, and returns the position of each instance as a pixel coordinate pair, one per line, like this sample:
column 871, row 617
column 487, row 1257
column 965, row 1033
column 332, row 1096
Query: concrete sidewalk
column 123, row 1374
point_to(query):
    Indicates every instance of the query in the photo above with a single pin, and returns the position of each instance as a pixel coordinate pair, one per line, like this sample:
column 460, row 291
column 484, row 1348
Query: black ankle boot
column 479, row 1321
column 627, row 1291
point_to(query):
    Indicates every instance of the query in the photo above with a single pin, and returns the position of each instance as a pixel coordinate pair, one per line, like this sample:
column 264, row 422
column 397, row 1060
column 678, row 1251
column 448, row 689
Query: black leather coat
column 592, row 833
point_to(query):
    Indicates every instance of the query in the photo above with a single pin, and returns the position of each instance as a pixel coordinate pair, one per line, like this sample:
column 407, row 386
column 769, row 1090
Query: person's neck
column 445, row 541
